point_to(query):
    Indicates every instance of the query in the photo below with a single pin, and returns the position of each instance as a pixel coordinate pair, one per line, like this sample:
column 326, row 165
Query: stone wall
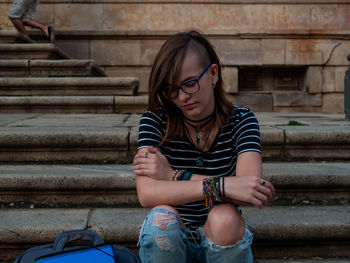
column 292, row 52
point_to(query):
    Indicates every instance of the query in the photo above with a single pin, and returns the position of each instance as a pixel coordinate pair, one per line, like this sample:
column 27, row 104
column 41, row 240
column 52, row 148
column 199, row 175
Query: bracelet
column 223, row 187
column 186, row 176
column 178, row 174
column 211, row 191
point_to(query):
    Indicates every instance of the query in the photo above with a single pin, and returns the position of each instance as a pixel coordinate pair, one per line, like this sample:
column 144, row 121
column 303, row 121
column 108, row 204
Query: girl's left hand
column 150, row 162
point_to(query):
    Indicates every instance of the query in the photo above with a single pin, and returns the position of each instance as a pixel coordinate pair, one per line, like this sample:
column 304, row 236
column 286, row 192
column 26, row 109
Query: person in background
column 22, row 14
column 198, row 160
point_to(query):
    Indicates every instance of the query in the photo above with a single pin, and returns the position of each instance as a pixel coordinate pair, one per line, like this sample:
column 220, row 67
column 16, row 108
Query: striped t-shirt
column 240, row 134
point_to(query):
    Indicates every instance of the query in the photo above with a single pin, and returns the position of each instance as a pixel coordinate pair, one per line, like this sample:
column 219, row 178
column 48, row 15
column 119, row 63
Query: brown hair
column 166, row 68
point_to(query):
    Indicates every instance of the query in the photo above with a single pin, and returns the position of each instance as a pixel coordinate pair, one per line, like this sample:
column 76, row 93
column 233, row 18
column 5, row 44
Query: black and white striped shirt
column 241, row 134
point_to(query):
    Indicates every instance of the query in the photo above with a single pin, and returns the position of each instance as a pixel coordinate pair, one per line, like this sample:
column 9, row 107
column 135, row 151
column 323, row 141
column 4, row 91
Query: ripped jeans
column 167, row 242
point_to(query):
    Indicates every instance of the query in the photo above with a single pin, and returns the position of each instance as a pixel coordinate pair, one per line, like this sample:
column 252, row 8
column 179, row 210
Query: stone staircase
column 41, row 78
column 60, row 172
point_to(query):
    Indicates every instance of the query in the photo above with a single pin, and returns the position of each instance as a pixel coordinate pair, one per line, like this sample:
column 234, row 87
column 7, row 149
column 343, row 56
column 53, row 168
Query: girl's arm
column 154, row 185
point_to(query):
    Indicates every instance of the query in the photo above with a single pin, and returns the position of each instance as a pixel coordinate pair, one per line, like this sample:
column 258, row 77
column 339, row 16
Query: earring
column 214, row 85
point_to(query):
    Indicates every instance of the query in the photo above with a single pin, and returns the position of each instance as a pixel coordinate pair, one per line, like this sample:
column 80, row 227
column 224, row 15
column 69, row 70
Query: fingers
column 153, row 150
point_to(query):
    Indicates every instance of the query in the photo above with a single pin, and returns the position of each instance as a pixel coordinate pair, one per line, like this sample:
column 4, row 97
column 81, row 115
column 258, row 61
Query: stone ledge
column 52, row 68
column 75, row 104
column 69, row 86
column 31, row 51
column 317, row 135
column 220, row 33
column 272, row 224
column 85, row 185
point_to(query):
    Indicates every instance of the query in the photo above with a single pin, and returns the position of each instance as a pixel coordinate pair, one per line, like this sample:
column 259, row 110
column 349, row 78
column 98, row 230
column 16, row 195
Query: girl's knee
column 225, row 224
column 163, row 228
column 225, row 215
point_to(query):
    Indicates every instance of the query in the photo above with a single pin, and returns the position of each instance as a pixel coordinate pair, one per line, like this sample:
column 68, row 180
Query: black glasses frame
column 167, row 88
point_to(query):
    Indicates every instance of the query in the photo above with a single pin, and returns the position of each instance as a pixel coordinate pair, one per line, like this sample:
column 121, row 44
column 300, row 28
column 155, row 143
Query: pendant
column 199, row 161
column 198, row 137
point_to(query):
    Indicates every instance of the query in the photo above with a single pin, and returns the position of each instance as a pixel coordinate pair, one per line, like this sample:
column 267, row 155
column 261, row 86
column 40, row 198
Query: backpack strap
column 91, row 238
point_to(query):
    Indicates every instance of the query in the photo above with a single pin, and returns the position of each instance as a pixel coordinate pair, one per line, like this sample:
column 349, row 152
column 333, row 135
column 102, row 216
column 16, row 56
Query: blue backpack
column 78, row 246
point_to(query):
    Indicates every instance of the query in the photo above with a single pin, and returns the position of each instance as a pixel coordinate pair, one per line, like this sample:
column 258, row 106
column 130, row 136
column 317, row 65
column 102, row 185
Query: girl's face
column 200, row 104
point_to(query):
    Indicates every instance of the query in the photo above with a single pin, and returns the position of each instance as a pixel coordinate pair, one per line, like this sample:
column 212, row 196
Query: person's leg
column 162, row 237
column 225, row 236
column 35, row 24
column 16, row 13
column 18, row 24
column 28, row 18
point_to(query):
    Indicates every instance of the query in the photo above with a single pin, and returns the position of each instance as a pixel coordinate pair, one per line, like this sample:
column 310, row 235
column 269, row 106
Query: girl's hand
column 249, row 190
column 150, row 162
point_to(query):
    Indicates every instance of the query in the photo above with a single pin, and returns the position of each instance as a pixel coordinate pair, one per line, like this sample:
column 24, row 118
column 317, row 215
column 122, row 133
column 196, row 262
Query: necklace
column 206, row 121
column 199, row 129
column 206, row 118
column 199, row 159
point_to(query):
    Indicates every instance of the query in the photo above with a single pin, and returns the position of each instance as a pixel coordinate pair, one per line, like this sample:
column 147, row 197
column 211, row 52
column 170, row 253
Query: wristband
column 186, row 176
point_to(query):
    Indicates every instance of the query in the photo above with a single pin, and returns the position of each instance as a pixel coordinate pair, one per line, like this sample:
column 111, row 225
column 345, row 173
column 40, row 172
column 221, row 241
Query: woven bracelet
column 211, row 191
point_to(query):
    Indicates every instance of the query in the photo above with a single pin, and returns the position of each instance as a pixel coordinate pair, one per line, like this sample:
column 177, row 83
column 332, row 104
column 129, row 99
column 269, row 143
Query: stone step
column 280, row 231
column 101, row 138
column 32, row 51
column 10, row 36
column 65, row 86
column 49, row 68
column 24, row 186
column 75, row 104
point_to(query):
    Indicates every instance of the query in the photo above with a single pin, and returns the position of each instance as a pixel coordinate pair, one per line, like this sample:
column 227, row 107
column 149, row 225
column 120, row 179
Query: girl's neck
column 210, row 116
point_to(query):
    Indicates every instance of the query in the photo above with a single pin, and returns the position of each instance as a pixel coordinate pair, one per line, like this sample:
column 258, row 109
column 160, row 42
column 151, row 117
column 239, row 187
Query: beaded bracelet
column 211, row 191
column 177, row 176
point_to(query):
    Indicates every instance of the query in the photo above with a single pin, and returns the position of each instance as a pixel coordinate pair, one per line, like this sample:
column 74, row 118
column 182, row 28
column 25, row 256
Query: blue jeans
column 169, row 243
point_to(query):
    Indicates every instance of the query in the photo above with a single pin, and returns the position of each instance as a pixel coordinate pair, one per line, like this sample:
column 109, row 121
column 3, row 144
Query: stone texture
column 142, row 73
column 309, row 51
column 78, row 49
column 303, row 52
column 57, row 104
column 130, row 104
column 329, row 80
column 5, row 22
column 273, row 51
column 317, row 135
column 314, row 79
column 116, row 52
column 33, row 51
column 45, row 13
column 151, row 16
column 238, row 52
column 255, row 101
column 65, row 68
column 149, row 50
column 339, row 78
column 296, row 98
column 332, row 221
column 272, row 140
column 63, row 86
column 75, row 16
column 230, row 79
column 37, row 225
column 333, row 102
column 328, row 142
column 340, row 53
column 117, row 225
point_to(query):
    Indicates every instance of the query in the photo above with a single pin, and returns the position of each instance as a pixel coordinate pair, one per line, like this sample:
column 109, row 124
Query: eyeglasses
column 189, row 86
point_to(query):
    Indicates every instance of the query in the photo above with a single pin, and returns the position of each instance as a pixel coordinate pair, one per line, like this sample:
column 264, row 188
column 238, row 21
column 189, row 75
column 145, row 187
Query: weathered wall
column 310, row 36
